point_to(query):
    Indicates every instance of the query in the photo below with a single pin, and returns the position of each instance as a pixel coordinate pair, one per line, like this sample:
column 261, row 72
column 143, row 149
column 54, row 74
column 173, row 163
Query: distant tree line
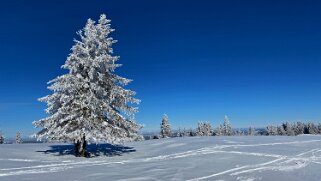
column 205, row 128
column 18, row 138
column 293, row 129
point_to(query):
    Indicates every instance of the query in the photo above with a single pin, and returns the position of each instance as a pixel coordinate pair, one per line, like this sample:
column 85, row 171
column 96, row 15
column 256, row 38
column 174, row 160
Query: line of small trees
column 18, row 138
column 293, row 129
column 205, row 129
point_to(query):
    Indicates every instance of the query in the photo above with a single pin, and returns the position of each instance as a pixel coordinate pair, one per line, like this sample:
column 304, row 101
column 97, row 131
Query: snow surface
column 240, row 158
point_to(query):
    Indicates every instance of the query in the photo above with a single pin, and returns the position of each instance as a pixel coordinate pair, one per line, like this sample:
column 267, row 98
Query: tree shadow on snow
column 93, row 150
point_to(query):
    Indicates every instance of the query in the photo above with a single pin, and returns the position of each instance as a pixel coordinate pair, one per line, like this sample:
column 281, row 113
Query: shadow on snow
column 93, row 150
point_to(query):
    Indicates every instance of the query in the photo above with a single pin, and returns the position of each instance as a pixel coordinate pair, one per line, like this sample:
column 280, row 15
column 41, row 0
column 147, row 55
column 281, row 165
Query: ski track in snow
column 283, row 163
column 280, row 162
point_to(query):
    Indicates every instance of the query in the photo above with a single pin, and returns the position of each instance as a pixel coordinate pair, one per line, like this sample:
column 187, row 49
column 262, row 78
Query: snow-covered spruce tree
column 227, row 128
column 166, row 131
column 18, row 138
column 179, row 133
column 199, row 129
column 319, row 128
column 312, row 129
column 251, row 131
column 1, row 138
column 299, row 129
column 289, row 128
column 280, row 130
column 89, row 104
column 271, row 130
column 219, row 130
column 239, row 132
column 204, row 129
column 190, row 132
column 184, row 132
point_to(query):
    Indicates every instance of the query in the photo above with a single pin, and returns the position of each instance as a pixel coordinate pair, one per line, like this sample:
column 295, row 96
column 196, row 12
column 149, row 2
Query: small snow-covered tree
column 165, row 128
column 251, row 131
column 239, row 132
column 227, row 128
column 288, row 127
column 204, row 129
column 1, row 138
column 18, row 138
column 190, row 132
column 179, row 133
column 311, row 128
column 271, row 130
column 199, row 129
column 219, row 130
column 294, row 128
column 89, row 103
column 280, row 130
column 299, row 129
column 319, row 128
column 184, row 132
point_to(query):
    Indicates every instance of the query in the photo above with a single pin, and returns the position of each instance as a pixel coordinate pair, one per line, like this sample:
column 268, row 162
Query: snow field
column 189, row 158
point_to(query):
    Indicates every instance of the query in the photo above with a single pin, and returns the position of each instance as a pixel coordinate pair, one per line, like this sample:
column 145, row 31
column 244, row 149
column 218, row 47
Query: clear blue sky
column 259, row 62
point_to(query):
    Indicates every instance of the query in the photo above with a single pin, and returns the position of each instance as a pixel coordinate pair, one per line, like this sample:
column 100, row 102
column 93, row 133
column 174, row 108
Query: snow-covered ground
column 189, row 158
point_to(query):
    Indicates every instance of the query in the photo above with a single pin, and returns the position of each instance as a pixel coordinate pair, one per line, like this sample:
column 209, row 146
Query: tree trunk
column 81, row 147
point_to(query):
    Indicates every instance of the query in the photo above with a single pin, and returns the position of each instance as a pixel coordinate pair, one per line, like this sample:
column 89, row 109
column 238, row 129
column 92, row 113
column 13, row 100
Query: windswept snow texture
column 190, row 158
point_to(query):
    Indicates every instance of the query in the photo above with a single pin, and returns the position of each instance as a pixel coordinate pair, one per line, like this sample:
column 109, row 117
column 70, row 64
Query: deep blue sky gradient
column 259, row 62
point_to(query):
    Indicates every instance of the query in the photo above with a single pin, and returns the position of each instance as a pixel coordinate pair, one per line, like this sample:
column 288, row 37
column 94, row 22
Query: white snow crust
column 189, row 158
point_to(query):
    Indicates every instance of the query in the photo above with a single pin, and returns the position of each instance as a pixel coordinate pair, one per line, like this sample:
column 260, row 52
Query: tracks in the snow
column 279, row 162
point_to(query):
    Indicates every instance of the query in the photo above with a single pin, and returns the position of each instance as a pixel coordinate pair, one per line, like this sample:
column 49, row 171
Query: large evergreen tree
column 89, row 103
